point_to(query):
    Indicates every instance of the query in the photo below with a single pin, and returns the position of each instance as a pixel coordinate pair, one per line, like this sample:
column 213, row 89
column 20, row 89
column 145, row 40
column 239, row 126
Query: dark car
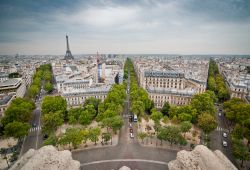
column 131, row 130
column 33, row 124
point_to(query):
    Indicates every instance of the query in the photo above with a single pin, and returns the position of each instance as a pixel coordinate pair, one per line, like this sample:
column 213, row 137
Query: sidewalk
column 91, row 145
column 156, row 143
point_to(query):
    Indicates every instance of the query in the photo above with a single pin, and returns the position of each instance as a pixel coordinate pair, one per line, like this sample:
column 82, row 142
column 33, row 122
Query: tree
column 92, row 101
column 207, row 123
column 185, row 117
column 161, row 135
column 53, row 104
column 47, row 75
column 94, row 134
column 51, row 121
column 33, row 91
column 16, row 129
column 203, row 103
column 182, row 141
column 74, row 114
column 85, row 118
column 116, row 123
column 142, row 136
column 156, row 116
column 106, row 114
column 106, row 137
column 165, row 109
column 240, row 151
column 185, row 127
column 238, row 132
column 138, row 108
column 51, row 140
column 20, row 110
column 48, row 87
column 85, row 135
column 71, row 136
column 172, row 134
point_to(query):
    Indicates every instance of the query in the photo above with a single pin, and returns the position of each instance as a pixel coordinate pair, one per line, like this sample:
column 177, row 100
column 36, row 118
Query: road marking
column 219, row 128
column 125, row 160
column 35, row 129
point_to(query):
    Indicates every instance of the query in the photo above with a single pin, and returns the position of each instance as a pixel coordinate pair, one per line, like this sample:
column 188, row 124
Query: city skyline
column 162, row 27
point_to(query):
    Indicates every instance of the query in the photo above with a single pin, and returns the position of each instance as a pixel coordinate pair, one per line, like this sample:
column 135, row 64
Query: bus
column 135, row 118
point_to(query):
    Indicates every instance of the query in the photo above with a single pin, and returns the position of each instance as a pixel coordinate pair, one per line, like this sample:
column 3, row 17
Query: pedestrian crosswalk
column 219, row 128
column 33, row 129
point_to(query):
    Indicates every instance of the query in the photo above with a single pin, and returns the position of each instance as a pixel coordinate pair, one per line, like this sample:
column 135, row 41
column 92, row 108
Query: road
column 128, row 152
column 34, row 138
column 216, row 137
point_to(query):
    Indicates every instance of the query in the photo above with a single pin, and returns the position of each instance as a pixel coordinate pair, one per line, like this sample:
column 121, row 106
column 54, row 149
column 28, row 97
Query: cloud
column 118, row 26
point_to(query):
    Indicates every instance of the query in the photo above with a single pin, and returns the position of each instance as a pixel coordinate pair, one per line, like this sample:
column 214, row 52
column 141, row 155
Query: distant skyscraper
column 68, row 55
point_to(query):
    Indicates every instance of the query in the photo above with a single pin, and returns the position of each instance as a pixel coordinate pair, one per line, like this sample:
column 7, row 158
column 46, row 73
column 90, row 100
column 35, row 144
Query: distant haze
column 125, row 26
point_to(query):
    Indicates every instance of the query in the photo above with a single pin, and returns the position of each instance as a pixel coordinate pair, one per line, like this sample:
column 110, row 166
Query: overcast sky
column 125, row 26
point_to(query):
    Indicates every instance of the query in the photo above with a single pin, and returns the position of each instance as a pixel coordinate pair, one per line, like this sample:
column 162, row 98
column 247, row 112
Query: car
column 224, row 134
column 219, row 114
column 131, row 130
column 132, row 135
column 130, row 125
column 33, row 124
column 224, row 143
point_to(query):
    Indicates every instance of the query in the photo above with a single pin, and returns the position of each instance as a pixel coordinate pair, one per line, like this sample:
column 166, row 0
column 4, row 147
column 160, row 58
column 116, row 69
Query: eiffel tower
column 68, row 55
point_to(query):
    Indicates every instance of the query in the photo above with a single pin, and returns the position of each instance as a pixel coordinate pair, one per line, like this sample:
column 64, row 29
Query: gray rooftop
column 185, row 92
column 10, row 82
column 165, row 74
column 6, row 99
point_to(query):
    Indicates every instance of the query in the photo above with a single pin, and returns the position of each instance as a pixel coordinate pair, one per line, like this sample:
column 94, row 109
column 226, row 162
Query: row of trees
column 238, row 113
column 109, row 111
column 16, row 118
column 140, row 101
column 75, row 137
column 42, row 77
column 216, row 83
column 172, row 134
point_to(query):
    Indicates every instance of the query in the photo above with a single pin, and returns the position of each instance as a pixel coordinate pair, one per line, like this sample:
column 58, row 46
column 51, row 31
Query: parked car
column 219, row 114
column 224, row 143
column 131, row 130
column 130, row 125
column 132, row 135
column 224, row 134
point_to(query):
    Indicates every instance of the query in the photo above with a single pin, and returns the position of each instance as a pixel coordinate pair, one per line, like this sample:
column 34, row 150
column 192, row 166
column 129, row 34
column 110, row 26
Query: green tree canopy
column 94, row 133
column 92, row 101
column 207, row 122
column 165, row 109
column 53, row 104
column 185, row 126
column 156, row 116
column 48, row 87
column 51, row 121
column 203, row 103
column 16, row 129
column 20, row 110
